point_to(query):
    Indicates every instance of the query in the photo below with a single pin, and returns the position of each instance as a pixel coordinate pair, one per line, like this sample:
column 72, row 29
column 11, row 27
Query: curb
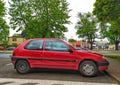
column 113, row 76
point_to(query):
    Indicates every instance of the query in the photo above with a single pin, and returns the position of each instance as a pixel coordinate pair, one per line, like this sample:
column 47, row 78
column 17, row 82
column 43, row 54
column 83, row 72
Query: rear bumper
column 103, row 65
column 13, row 60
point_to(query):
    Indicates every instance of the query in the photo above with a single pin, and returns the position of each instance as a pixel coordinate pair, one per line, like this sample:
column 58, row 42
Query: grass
column 106, row 50
column 116, row 57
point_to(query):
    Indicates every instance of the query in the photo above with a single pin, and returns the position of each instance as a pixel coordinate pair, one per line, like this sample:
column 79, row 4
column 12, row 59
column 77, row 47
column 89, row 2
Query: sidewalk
column 114, row 69
column 10, row 81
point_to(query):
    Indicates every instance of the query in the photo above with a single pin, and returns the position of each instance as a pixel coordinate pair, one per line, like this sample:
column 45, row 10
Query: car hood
column 89, row 53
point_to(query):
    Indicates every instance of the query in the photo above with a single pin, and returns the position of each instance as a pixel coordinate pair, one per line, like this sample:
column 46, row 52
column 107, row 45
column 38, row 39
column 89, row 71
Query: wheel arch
column 19, row 60
column 87, row 60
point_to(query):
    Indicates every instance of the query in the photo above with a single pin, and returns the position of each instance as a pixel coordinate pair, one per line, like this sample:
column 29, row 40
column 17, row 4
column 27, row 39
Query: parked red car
column 2, row 48
column 58, row 54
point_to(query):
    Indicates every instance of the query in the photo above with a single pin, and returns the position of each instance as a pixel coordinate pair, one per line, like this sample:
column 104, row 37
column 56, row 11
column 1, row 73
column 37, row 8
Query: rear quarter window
column 34, row 45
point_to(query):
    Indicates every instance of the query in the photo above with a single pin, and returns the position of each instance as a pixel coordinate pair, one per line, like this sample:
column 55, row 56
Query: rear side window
column 35, row 45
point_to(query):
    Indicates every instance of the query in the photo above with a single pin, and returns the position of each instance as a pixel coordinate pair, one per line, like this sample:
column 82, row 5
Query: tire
column 88, row 68
column 22, row 66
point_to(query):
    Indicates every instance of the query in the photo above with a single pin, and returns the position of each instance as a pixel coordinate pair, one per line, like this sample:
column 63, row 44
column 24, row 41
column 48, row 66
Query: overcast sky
column 76, row 6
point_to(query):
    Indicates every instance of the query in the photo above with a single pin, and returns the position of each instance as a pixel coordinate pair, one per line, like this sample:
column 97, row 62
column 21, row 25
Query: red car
column 56, row 54
column 2, row 48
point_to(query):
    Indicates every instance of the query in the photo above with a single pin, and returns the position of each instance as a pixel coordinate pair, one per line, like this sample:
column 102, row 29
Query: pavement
column 10, row 81
column 114, row 69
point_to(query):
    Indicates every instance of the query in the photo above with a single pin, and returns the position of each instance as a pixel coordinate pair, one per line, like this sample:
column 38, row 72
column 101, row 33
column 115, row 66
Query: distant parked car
column 10, row 48
column 57, row 54
column 2, row 48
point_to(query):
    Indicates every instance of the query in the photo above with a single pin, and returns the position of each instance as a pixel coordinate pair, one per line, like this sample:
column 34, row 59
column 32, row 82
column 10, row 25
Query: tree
column 39, row 18
column 4, row 29
column 112, row 33
column 86, row 27
column 72, row 40
column 102, row 30
column 107, row 11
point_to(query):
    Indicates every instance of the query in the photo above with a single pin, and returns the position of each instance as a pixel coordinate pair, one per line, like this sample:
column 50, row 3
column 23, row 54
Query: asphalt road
column 7, row 71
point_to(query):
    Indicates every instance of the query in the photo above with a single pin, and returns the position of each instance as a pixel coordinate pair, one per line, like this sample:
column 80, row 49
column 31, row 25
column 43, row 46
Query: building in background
column 102, row 45
column 15, row 40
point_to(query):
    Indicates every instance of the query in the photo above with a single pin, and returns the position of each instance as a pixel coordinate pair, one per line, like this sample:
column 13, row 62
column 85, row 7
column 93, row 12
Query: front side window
column 35, row 45
column 55, row 45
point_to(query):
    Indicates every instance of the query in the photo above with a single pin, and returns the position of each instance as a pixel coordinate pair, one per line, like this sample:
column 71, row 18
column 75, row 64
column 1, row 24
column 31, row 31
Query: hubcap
column 22, row 67
column 88, row 69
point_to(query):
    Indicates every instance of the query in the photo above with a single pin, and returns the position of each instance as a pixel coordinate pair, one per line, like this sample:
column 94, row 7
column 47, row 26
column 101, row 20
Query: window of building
column 14, row 39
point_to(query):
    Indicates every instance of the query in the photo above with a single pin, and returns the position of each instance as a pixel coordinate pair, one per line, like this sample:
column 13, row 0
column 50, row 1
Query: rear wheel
column 88, row 68
column 22, row 66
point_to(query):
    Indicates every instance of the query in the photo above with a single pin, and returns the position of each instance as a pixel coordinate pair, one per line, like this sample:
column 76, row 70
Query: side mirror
column 70, row 50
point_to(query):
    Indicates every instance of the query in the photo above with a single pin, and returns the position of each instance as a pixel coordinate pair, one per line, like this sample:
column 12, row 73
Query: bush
column 13, row 45
column 4, row 45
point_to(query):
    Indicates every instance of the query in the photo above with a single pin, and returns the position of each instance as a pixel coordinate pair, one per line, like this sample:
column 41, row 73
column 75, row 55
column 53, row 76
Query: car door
column 56, row 54
column 33, row 52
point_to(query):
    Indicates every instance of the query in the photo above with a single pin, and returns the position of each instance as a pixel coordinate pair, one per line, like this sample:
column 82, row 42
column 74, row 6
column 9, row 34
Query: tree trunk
column 116, row 45
column 91, row 46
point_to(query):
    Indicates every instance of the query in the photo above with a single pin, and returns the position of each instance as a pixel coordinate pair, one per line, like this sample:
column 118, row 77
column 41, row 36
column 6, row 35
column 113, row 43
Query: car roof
column 45, row 39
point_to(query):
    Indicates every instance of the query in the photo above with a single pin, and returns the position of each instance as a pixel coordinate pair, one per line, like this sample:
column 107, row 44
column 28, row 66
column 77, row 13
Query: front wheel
column 88, row 68
column 22, row 66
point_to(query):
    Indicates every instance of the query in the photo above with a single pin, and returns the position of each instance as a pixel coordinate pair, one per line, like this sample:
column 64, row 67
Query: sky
column 76, row 6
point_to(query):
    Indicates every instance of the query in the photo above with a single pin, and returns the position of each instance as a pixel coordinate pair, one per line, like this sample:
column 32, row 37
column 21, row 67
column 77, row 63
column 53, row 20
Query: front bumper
column 103, row 65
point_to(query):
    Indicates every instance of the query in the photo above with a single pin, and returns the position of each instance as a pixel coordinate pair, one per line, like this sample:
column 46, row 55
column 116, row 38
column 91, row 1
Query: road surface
column 9, row 76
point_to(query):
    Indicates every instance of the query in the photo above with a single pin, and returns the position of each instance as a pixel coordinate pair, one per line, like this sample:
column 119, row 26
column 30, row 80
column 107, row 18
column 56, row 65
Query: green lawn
column 117, row 57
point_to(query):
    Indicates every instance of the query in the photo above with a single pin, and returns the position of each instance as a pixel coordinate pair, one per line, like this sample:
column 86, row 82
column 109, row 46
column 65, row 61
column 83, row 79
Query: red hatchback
column 56, row 54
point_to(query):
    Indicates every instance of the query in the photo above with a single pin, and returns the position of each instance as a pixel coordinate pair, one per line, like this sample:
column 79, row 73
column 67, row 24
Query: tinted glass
column 35, row 45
